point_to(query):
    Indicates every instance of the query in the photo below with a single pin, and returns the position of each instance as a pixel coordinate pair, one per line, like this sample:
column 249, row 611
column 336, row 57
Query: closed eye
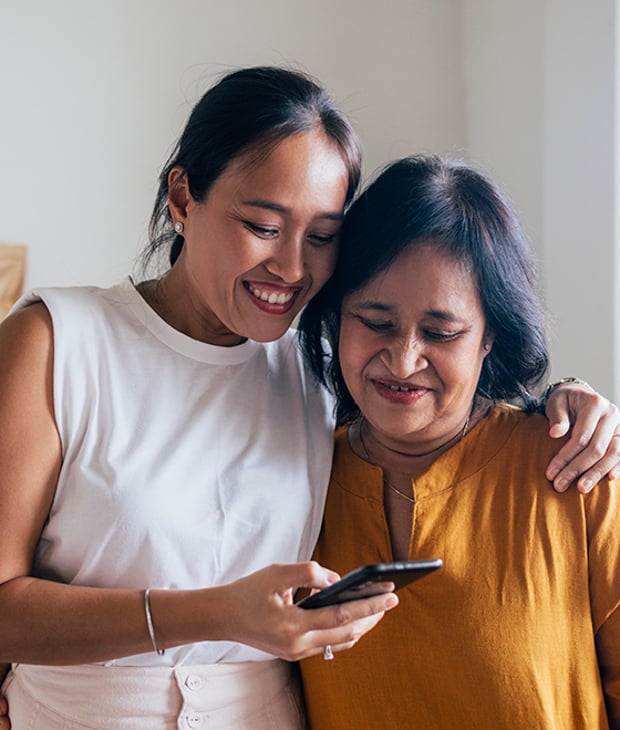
column 322, row 240
column 260, row 230
column 436, row 336
column 377, row 325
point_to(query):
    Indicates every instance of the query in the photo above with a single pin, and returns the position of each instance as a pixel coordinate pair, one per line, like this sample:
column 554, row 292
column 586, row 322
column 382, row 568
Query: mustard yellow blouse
column 521, row 627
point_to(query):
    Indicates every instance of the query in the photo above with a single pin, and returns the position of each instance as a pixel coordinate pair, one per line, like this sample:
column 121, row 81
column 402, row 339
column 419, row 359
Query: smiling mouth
column 270, row 297
column 399, row 392
column 399, row 388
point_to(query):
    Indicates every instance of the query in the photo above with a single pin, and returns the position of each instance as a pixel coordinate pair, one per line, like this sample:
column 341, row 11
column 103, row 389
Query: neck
column 179, row 312
column 409, row 461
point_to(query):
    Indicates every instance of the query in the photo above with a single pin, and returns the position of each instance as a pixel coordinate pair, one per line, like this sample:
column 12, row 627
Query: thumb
column 559, row 426
column 309, row 575
column 556, row 411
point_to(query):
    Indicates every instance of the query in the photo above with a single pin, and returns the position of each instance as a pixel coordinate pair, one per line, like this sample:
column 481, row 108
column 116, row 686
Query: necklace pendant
column 409, row 499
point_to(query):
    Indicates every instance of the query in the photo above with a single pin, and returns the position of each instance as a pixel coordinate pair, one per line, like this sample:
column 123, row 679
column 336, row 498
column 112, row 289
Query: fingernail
column 560, row 485
column 552, row 473
column 585, row 486
column 391, row 601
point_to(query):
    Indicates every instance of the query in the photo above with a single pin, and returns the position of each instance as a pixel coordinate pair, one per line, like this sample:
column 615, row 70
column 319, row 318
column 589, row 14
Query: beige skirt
column 257, row 695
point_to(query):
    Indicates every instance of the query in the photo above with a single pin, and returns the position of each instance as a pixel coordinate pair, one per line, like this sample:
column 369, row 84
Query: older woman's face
column 412, row 347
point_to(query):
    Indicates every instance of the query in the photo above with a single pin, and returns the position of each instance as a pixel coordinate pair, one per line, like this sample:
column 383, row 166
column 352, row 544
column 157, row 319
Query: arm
column 593, row 449
column 43, row 622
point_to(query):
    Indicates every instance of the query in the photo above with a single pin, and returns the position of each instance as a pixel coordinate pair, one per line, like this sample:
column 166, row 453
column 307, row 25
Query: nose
column 405, row 356
column 287, row 261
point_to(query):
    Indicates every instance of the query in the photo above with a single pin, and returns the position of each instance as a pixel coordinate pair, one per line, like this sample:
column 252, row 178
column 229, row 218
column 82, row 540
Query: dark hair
column 448, row 204
column 249, row 109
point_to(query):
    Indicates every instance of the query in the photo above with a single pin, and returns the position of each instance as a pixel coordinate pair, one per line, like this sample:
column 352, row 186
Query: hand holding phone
column 370, row 580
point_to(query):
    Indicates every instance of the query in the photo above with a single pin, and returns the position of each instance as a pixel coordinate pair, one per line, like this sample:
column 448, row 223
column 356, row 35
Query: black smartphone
column 370, row 580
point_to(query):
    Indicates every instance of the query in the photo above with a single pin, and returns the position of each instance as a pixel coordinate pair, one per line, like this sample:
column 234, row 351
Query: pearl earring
column 179, row 227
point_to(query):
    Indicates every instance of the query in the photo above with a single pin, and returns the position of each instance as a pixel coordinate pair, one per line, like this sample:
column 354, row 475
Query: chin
column 266, row 334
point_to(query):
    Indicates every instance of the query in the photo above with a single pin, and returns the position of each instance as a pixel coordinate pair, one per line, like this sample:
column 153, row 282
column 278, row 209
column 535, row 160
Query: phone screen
column 370, row 580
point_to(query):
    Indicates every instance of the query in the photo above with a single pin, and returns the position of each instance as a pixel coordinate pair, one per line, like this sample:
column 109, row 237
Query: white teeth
column 273, row 297
column 399, row 388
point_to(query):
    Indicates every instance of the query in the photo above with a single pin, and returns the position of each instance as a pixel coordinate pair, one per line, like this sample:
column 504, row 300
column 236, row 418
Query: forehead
column 425, row 277
column 305, row 164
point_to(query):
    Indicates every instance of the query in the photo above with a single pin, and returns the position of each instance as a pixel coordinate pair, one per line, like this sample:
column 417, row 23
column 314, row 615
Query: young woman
column 166, row 435
column 434, row 324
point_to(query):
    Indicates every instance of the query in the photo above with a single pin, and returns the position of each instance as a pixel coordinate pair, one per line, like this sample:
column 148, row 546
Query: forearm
column 42, row 622
column 52, row 623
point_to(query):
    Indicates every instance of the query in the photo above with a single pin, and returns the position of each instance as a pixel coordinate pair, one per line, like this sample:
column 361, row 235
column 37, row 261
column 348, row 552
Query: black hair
column 249, row 109
column 427, row 199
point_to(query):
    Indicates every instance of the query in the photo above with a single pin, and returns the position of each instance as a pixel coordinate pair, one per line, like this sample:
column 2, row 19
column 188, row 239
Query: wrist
column 542, row 403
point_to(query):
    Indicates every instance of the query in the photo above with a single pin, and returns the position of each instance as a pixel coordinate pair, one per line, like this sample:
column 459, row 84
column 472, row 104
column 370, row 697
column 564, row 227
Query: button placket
column 193, row 720
column 193, row 682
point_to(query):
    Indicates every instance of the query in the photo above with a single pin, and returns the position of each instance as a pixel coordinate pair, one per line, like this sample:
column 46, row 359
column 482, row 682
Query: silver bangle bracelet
column 149, row 621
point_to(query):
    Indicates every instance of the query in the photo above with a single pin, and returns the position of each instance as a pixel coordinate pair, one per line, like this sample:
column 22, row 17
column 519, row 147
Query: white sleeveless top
column 185, row 465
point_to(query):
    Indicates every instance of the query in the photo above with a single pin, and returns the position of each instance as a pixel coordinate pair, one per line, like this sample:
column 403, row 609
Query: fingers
column 259, row 611
column 604, row 466
column 581, row 452
column 343, row 646
column 588, row 465
column 588, row 413
column 559, row 424
column 592, row 450
column 307, row 575
column 342, row 626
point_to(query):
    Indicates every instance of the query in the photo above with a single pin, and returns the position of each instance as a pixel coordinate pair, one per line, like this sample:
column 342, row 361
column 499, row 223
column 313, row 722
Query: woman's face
column 412, row 347
column 262, row 243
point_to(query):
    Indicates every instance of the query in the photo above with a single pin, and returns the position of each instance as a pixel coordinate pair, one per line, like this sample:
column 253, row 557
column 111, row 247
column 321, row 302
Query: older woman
column 434, row 324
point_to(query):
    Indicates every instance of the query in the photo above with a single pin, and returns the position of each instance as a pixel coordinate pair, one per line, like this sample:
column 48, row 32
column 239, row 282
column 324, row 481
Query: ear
column 178, row 194
column 487, row 342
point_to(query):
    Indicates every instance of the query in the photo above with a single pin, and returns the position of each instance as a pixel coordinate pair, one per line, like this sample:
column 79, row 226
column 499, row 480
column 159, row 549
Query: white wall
column 94, row 94
column 540, row 111
column 578, row 232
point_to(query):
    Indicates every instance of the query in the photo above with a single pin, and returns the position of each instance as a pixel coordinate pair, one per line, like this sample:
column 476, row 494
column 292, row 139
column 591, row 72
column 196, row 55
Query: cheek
column 353, row 356
column 463, row 367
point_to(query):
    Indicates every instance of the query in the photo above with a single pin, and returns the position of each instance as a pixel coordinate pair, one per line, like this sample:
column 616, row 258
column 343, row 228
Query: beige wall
column 540, row 115
column 99, row 90
column 94, row 93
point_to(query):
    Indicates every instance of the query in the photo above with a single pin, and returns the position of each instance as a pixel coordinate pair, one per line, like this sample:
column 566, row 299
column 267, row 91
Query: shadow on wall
column 12, row 270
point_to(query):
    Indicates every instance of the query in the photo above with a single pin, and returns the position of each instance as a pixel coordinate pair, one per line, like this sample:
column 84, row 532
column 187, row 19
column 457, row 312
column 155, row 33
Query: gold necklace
column 409, row 499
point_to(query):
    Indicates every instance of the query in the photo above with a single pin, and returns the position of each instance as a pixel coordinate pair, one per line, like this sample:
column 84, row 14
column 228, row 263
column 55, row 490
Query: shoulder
column 72, row 311
column 286, row 353
column 510, row 441
column 25, row 334
column 515, row 424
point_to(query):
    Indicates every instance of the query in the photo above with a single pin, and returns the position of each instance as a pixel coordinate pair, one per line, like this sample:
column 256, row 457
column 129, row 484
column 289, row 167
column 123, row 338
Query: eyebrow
column 270, row 205
column 381, row 307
